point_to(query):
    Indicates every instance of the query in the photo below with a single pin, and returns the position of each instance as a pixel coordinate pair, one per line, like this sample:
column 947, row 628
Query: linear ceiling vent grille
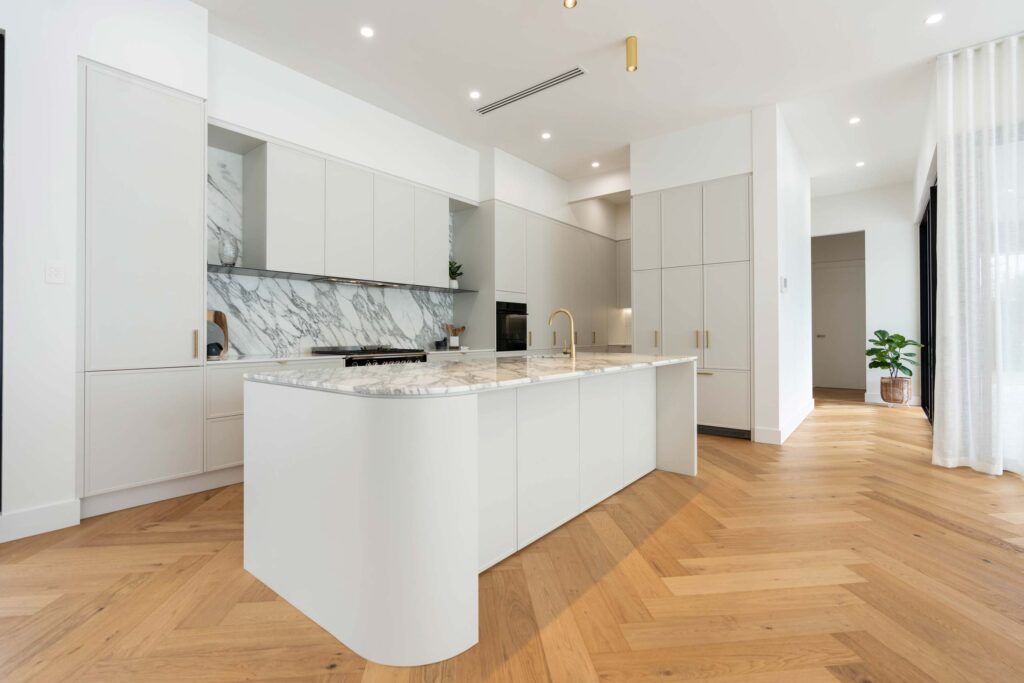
column 532, row 90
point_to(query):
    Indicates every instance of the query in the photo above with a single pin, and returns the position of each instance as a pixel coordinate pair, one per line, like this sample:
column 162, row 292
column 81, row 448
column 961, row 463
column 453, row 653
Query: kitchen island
column 374, row 496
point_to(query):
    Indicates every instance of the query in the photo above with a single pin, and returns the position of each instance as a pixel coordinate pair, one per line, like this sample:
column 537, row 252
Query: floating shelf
column 329, row 279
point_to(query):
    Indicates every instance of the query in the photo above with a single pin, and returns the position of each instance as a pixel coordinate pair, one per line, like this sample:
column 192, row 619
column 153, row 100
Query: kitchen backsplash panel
column 269, row 315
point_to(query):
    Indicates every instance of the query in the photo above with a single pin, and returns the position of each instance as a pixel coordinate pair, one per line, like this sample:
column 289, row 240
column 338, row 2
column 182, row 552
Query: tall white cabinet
column 144, row 215
column 691, row 291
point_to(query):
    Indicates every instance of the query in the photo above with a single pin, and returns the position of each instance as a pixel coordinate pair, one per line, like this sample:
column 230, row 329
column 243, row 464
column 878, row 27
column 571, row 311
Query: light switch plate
column 55, row 272
column 783, row 284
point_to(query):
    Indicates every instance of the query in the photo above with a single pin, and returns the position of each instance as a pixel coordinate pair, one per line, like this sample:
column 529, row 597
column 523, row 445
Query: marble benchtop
column 458, row 376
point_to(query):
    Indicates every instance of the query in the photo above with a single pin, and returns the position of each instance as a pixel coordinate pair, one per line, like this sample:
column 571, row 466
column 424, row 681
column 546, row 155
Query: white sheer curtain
column 979, row 379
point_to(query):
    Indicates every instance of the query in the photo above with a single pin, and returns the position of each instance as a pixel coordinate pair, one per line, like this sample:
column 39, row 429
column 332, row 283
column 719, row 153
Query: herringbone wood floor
column 841, row 556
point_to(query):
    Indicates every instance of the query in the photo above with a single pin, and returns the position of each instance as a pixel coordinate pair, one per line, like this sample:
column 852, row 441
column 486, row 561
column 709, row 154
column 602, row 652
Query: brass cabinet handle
column 575, row 337
column 529, row 338
column 655, row 339
column 195, row 343
column 707, row 339
column 554, row 338
column 593, row 337
column 696, row 339
column 705, row 373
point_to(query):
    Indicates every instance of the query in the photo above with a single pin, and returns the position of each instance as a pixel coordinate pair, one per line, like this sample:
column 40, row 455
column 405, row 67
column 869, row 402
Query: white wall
column 715, row 150
column 623, row 221
column 162, row 40
column 892, row 299
column 251, row 91
column 599, row 185
column 927, row 159
column 596, row 215
column 529, row 187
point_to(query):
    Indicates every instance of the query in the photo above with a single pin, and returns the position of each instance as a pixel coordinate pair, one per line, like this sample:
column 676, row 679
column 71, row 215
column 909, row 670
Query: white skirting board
column 778, row 437
column 141, row 495
column 39, row 520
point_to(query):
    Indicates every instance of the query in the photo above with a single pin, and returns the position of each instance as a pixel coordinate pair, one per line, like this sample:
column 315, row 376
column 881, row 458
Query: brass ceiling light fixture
column 631, row 54
column 568, row 4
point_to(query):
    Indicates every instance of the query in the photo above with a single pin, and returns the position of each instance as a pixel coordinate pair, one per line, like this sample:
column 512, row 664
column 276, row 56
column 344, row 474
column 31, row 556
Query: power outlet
column 55, row 272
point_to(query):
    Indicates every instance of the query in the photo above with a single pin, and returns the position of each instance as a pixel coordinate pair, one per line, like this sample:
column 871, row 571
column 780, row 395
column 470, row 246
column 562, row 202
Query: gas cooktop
column 357, row 350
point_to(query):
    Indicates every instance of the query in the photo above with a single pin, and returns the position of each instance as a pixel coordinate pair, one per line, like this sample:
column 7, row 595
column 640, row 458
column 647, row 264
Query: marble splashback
column 275, row 316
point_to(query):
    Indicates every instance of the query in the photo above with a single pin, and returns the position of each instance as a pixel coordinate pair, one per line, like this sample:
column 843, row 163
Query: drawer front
column 224, row 446
column 723, row 399
column 224, row 387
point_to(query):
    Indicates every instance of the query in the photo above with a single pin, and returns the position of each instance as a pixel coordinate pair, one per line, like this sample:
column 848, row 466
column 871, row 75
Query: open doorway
column 838, row 313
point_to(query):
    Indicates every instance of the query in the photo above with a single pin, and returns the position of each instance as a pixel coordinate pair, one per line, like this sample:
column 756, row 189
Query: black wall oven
column 510, row 326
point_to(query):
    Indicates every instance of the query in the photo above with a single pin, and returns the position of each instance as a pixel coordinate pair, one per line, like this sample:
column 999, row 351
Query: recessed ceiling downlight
column 366, row 32
column 934, row 18
column 545, row 135
column 854, row 120
column 860, row 164
column 595, row 164
column 474, row 94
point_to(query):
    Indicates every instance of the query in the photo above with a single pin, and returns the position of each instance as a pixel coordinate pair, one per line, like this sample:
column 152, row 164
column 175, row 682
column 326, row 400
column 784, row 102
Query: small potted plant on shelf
column 454, row 273
column 887, row 352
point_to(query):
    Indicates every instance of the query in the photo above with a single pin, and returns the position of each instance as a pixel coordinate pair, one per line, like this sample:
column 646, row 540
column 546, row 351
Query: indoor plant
column 454, row 273
column 887, row 352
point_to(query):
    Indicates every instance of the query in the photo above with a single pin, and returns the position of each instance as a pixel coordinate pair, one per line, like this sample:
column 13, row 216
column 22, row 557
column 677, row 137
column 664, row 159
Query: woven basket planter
column 896, row 390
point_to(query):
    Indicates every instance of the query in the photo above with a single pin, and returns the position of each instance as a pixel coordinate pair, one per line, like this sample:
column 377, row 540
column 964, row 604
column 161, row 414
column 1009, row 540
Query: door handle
column 696, row 339
column 707, row 339
column 655, row 339
column 575, row 337
column 529, row 338
column 593, row 337
column 705, row 373
column 195, row 343
column 820, row 336
column 554, row 338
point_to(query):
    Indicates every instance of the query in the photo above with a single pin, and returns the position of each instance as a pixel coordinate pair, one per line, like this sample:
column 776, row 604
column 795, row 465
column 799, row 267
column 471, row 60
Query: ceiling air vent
column 532, row 90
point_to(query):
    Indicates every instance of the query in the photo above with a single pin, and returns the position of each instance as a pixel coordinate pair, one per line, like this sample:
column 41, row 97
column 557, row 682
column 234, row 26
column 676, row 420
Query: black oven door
column 510, row 326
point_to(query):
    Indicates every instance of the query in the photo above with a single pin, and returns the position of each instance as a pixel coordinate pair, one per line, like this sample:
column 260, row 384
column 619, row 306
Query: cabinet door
column 723, row 399
column 623, row 279
column 348, row 240
column 144, row 203
column 603, row 286
column 640, row 424
column 682, row 310
column 727, row 316
column 579, row 265
column 432, row 245
column 142, row 427
column 647, row 231
column 601, row 425
column 393, row 230
column 296, row 183
column 681, row 226
column 540, row 271
column 647, row 311
column 509, row 249
column 548, row 457
column 727, row 220
column 224, row 442
column 497, row 475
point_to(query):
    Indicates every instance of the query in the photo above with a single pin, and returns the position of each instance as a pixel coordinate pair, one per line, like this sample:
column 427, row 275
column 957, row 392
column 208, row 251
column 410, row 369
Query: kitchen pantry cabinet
column 601, row 266
column 695, row 290
column 394, row 228
column 509, row 249
column 142, row 427
column 430, row 246
column 144, row 209
column 348, row 239
column 623, row 284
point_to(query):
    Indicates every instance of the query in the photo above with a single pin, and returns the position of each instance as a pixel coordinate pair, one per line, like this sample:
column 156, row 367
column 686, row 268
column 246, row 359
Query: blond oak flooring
column 841, row 556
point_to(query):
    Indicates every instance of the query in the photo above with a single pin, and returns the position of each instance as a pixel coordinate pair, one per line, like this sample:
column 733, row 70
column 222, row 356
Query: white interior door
column 145, row 169
column 727, row 316
column 681, row 226
column 682, row 311
column 837, row 295
column 727, row 220
column 349, row 222
column 647, row 311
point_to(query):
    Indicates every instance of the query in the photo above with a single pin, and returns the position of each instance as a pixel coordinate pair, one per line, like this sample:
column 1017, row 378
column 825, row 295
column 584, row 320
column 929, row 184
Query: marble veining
column 223, row 202
column 449, row 377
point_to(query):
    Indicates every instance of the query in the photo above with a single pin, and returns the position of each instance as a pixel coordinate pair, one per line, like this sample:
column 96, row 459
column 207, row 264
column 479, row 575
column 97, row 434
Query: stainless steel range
column 372, row 355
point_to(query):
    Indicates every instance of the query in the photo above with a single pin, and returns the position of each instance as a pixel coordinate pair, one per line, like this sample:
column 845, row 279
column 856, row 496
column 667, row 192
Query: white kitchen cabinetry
column 601, row 440
column 727, row 220
column 431, row 239
column 719, row 399
column 224, row 442
column 394, row 220
column 142, row 427
column 509, row 249
column 348, row 240
column 283, row 205
column 647, row 231
column 683, row 311
column 640, row 424
column 602, row 286
column 647, row 311
column 144, row 207
column 681, row 226
column 497, row 475
column 578, row 266
column 727, row 316
column 548, row 458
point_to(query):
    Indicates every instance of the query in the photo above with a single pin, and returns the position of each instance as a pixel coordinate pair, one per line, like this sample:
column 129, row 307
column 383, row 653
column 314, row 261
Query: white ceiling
column 699, row 60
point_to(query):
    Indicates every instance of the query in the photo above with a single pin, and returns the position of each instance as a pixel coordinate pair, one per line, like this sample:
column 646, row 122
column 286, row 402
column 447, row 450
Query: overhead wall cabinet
column 144, row 220
column 430, row 246
column 394, row 229
column 348, row 239
column 691, row 290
